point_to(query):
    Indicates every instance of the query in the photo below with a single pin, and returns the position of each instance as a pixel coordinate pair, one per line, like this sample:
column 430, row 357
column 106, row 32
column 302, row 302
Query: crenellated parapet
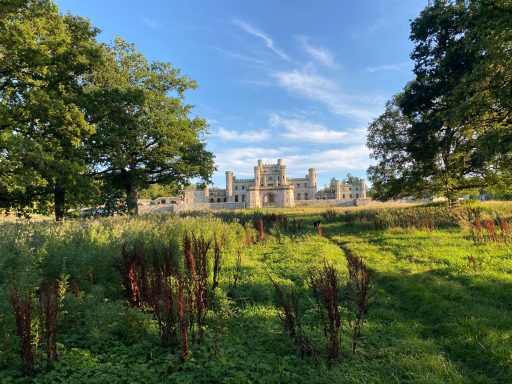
column 270, row 187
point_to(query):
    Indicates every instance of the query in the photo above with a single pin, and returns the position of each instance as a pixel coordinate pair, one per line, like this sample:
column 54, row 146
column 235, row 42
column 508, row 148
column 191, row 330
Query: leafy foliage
column 448, row 131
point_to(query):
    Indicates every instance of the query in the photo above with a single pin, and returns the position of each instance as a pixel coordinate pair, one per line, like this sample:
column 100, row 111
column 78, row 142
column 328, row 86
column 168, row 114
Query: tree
column 349, row 179
column 451, row 108
column 44, row 59
column 144, row 133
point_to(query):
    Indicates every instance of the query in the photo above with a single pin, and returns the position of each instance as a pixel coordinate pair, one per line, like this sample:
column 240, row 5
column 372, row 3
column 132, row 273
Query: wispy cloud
column 319, row 54
column 301, row 129
column 238, row 56
column 151, row 23
column 334, row 162
column 368, row 31
column 250, row 29
column 389, row 67
column 321, row 89
column 241, row 160
column 245, row 136
column 351, row 158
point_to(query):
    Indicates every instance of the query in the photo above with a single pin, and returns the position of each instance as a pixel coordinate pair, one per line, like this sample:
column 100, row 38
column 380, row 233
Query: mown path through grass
column 445, row 318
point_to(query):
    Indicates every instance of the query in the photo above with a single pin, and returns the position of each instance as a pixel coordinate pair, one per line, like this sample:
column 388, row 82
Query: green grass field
column 442, row 309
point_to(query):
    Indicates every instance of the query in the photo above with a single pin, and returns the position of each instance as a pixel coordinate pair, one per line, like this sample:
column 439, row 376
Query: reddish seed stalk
column 21, row 305
column 49, row 300
column 326, row 290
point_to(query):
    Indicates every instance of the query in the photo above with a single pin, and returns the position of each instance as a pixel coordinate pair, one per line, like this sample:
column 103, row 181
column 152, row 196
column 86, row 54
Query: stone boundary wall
column 189, row 207
column 240, row 205
column 209, row 206
column 332, row 203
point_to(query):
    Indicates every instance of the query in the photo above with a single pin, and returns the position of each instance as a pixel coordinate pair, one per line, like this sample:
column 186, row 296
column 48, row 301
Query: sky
column 297, row 80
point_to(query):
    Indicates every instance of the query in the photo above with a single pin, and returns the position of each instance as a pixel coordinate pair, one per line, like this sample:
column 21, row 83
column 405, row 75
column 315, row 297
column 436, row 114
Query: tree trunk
column 132, row 193
column 59, row 199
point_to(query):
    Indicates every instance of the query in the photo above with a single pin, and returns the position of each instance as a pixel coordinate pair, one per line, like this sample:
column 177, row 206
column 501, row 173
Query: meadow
column 261, row 297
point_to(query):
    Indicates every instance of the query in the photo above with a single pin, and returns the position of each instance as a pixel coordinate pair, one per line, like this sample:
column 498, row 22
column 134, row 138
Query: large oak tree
column 144, row 134
column 44, row 58
column 449, row 130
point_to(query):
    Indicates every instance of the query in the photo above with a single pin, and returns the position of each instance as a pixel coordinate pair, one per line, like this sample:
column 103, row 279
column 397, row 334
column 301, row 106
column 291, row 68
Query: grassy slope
column 437, row 317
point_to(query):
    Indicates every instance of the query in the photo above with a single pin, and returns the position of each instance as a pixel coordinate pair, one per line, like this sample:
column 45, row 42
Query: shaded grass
column 437, row 316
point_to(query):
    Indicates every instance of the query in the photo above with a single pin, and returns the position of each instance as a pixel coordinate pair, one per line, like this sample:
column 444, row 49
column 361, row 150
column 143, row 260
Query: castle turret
column 257, row 176
column 363, row 189
column 229, row 185
column 312, row 177
column 338, row 190
column 284, row 179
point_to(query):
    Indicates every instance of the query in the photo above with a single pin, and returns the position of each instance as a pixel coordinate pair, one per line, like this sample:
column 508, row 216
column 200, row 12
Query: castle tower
column 363, row 189
column 257, row 174
column 312, row 177
column 282, row 167
column 338, row 190
column 229, row 186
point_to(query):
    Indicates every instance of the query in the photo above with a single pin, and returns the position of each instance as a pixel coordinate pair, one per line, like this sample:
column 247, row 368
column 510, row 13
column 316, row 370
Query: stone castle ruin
column 270, row 187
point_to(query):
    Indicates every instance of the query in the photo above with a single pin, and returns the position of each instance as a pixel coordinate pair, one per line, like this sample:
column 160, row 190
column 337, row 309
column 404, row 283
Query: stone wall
column 326, row 203
column 189, row 207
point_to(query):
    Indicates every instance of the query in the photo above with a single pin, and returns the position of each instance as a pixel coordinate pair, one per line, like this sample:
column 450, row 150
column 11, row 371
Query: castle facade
column 270, row 187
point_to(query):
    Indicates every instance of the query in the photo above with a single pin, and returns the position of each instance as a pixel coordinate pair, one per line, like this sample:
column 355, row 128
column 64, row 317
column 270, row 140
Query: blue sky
column 297, row 80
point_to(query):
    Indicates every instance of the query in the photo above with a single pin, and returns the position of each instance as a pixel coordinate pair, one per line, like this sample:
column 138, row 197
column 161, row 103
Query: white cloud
column 266, row 39
column 244, row 136
column 352, row 158
column 319, row 54
column 300, row 129
column 367, row 31
column 241, row 160
column 388, row 67
column 321, row 89
column 334, row 162
column 238, row 56
column 154, row 25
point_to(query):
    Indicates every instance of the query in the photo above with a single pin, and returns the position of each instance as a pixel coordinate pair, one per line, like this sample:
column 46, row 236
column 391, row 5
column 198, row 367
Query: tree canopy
column 449, row 130
column 78, row 117
column 144, row 133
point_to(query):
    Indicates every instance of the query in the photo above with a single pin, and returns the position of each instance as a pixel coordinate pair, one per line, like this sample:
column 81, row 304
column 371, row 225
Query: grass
column 442, row 309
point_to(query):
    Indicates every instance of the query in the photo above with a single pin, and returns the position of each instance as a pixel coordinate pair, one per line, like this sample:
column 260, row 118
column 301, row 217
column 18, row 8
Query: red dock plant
column 49, row 301
column 201, row 247
column 129, row 267
column 21, row 304
column 288, row 301
column 327, row 292
column 359, row 297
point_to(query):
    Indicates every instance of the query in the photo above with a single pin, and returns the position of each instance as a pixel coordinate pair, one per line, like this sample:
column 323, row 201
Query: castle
column 270, row 187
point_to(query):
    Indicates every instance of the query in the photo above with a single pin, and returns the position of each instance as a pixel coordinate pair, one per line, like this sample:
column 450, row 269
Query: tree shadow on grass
column 469, row 324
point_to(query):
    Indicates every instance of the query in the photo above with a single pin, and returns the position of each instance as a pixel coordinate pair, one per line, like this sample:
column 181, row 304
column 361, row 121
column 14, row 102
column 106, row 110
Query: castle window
column 357, row 195
column 243, row 186
column 298, row 185
column 306, row 197
column 218, row 199
column 243, row 198
column 211, row 200
column 236, row 198
column 236, row 187
column 224, row 199
column 357, row 188
column 343, row 195
column 350, row 195
column 298, row 196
